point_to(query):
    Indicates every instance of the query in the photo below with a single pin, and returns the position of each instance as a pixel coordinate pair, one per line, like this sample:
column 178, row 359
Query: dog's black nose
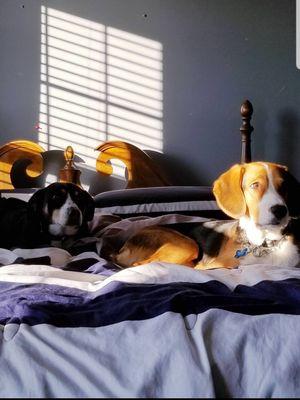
column 74, row 216
column 279, row 211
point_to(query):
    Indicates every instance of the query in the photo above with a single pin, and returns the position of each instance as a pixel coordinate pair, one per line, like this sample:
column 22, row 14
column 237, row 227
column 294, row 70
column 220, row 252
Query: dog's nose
column 279, row 211
column 74, row 216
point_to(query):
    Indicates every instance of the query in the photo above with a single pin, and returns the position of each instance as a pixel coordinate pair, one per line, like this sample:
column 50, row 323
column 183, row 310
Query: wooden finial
column 70, row 173
column 246, row 130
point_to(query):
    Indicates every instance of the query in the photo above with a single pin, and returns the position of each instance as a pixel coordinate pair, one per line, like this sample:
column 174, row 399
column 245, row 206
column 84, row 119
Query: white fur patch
column 254, row 234
column 60, row 217
column 270, row 198
column 285, row 255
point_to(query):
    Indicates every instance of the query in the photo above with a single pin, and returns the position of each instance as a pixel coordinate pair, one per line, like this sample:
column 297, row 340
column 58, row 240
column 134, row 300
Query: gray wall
column 216, row 53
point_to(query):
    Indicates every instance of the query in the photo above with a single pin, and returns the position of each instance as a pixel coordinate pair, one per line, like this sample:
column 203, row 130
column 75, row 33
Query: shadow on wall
column 172, row 168
column 97, row 183
column 287, row 139
column 259, row 136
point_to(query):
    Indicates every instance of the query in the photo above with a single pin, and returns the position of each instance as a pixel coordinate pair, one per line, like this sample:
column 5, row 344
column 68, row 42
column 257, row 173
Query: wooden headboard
column 22, row 161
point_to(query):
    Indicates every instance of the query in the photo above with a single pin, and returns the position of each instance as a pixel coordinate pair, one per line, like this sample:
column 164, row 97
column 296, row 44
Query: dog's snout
column 74, row 216
column 279, row 211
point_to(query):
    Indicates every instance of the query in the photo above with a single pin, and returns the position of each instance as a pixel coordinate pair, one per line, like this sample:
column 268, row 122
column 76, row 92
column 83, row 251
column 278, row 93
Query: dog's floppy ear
column 228, row 192
column 36, row 202
column 89, row 206
column 290, row 191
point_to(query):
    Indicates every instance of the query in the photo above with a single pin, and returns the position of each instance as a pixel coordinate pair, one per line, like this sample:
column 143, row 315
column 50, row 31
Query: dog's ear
column 89, row 206
column 228, row 192
column 290, row 191
column 36, row 202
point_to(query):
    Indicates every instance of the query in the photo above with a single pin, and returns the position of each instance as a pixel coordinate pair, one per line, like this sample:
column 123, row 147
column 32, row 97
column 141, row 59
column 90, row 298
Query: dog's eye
column 254, row 185
column 55, row 198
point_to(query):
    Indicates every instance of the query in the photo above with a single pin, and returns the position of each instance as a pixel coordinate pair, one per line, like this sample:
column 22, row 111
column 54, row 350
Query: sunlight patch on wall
column 98, row 83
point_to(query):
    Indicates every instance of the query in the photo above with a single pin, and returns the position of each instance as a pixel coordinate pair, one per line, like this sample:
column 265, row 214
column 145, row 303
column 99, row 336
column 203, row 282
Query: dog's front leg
column 224, row 259
column 217, row 263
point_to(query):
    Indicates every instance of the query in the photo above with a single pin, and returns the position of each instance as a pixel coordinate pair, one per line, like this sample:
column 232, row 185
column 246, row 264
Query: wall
column 215, row 54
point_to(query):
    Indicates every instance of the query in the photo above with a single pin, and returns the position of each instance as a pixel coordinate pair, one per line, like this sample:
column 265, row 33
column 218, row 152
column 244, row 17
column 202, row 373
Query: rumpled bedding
column 73, row 324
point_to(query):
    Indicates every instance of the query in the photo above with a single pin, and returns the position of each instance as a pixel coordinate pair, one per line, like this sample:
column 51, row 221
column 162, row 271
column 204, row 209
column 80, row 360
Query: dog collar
column 242, row 252
column 265, row 248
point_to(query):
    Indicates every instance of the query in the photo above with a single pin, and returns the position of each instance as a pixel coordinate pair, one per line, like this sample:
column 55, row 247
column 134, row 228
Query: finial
column 246, row 130
column 247, row 109
column 69, row 173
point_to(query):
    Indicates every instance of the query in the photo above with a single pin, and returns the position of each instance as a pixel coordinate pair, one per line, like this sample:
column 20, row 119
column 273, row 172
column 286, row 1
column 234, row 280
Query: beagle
column 262, row 198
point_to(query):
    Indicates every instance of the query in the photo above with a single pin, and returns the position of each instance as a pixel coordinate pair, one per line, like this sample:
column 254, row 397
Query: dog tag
column 241, row 253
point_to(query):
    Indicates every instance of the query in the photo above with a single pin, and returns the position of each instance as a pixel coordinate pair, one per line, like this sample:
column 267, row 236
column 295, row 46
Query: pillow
column 22, row 194
column 155, row 201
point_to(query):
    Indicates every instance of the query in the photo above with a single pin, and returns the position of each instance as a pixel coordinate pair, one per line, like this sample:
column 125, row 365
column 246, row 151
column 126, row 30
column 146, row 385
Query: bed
column 73, row 324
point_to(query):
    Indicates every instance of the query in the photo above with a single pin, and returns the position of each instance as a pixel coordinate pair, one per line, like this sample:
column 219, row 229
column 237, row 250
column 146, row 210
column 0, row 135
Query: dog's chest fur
column 227, row 244
column 284, row 253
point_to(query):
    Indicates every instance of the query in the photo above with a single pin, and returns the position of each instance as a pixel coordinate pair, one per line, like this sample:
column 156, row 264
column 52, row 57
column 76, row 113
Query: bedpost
column 246, row 129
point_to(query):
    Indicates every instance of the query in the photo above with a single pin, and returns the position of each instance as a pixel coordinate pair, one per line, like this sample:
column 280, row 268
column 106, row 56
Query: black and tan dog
column 54, row 212
column 260, row 197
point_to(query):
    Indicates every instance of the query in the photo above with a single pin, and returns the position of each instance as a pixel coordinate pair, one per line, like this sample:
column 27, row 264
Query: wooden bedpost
column 246, row 130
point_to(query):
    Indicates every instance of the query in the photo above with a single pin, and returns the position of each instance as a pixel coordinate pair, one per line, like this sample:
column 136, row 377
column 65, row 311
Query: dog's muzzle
column 74, row 217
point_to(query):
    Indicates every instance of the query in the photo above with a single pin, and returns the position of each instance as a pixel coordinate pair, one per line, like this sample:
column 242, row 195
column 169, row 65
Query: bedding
column 155, row 201
column 73, row 324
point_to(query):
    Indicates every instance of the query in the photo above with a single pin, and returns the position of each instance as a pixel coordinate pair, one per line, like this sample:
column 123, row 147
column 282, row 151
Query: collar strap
column 258, row 251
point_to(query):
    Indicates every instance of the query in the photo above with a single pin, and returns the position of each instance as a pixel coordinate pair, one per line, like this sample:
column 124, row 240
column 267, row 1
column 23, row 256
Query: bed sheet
column 75, row 325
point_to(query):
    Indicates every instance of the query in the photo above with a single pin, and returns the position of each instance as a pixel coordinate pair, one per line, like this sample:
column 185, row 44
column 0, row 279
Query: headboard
column 22, row 162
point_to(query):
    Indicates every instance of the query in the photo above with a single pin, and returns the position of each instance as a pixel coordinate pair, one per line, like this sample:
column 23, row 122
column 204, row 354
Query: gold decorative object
column 16, row 150
column 141, row 169
column 70, row 173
